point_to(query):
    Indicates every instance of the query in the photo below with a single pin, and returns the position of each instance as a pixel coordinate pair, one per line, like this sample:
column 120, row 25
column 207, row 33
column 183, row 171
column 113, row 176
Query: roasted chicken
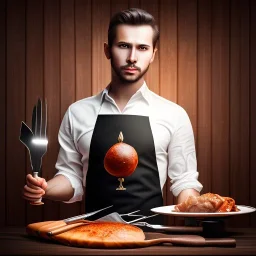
column 208, row 202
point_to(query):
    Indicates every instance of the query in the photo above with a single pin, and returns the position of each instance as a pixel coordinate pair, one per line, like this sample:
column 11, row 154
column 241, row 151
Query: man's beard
column 118, row 72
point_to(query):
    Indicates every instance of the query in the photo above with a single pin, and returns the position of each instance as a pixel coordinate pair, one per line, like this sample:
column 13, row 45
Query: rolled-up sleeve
column 182, row 167
column 69, row 159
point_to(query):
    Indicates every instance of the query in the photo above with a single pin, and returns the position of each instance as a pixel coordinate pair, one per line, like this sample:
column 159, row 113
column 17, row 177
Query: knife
column 180, row 229
column 69, row 223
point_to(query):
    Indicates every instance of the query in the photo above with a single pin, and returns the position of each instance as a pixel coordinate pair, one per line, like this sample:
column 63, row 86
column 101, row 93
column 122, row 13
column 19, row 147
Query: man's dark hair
column 132, row 16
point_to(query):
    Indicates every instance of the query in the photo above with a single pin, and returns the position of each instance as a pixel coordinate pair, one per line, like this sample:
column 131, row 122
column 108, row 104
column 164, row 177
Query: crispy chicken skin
column 208, row 202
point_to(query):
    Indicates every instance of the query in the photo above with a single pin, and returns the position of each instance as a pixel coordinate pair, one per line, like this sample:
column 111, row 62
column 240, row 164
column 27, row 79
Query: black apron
column 143, row 190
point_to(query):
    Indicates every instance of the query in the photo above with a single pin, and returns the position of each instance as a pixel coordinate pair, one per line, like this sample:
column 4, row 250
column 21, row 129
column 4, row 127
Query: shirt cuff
column 177, row 188
column 76, row 185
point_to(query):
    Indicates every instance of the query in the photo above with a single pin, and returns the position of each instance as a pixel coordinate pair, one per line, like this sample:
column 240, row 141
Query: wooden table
column 15, row 241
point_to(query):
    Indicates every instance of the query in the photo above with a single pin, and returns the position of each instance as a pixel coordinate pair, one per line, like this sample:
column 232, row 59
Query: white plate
column 169, row 210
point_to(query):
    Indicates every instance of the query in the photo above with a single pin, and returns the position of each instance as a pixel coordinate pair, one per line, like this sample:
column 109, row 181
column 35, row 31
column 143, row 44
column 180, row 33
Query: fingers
column 43, row 184
column 35, row 188
column 32, row 194
column 31, row 190
column 36, row 182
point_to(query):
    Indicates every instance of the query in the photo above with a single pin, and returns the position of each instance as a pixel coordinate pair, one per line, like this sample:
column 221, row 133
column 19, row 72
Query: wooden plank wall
column 206, row 62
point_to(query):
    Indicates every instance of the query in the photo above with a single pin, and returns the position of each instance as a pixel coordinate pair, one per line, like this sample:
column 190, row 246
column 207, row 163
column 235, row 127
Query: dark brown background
column 206, row 63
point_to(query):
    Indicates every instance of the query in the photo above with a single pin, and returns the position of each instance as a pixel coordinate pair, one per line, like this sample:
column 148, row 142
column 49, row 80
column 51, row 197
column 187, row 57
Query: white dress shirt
column 171, row 128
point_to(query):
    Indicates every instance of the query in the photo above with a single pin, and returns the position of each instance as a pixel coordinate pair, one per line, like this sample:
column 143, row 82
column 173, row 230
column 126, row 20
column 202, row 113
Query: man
column 158, row 129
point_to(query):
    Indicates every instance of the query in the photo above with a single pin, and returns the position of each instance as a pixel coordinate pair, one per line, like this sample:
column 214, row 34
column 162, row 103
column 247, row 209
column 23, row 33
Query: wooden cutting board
column 114, row 235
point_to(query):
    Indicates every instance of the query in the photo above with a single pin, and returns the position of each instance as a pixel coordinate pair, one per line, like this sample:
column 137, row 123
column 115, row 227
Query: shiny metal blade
column 83, row 216
column 143, row 218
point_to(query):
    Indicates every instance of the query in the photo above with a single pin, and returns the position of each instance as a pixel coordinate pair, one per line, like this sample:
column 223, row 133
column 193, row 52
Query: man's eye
column 123, row 46
column 143, row 48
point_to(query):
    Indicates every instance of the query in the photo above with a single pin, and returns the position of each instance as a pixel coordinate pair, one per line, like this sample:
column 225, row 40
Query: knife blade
column 179, row 229
column 66, row 224
column 83, row 216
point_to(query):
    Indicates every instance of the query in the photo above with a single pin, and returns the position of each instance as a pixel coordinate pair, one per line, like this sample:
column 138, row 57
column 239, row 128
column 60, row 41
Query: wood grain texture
column 101, row 68
column 34, row 79
column 116, row 6
column 220, row 97
column 83, row 55
column 134, row 3
column 83, row 48
column 168, row 67
column 15, row 112
column 239, row 105
column 187, row 59
column 67, row 54
column 252, row 78
column 187, row 62
column 246, row 245
column 168, row 49
column 3, row 109
column 52, row 90
column 152, row 76
column 67, row 76
column 206, row 62
column 204, row 102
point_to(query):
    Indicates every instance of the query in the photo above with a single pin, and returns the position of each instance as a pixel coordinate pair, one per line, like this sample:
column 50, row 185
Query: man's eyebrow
column 144, row 45
column 123, row 42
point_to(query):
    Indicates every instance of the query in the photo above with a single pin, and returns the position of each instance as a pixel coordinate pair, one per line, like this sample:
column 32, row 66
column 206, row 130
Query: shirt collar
column 143, row 91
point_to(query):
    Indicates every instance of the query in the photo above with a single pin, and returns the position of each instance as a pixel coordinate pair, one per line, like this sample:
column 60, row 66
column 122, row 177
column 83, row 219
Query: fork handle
column 38, row 201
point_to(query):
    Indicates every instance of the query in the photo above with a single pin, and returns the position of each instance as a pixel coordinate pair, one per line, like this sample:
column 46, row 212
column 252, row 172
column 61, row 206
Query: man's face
column 132, row 52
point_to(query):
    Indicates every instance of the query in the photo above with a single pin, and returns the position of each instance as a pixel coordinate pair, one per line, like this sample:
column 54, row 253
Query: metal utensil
column 36, row 140
column 83, row 216
column 62, row 226
column 116, row 217
column 179, row 229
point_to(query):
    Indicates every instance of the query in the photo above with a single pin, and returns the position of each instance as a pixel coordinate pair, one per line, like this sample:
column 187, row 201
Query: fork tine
column 34, row 120
column 38, row 118
column 142, row 218
column 44, row 122
column 130, row 213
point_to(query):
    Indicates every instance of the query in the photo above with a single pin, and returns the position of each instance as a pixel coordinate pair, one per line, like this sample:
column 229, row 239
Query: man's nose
column 132, row 57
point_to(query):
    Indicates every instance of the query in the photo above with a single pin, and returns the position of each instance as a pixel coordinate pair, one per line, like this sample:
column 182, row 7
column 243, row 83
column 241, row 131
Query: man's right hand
column 35, row 188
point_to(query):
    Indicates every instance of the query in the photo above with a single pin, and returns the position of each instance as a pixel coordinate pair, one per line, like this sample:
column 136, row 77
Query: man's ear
column 107, row 51
column 153, row 56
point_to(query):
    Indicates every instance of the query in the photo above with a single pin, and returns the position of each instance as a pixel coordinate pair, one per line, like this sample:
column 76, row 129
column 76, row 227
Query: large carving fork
column 36, row 140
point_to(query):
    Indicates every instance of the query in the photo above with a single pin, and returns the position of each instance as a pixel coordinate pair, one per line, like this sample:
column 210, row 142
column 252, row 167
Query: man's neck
column 122, row 93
